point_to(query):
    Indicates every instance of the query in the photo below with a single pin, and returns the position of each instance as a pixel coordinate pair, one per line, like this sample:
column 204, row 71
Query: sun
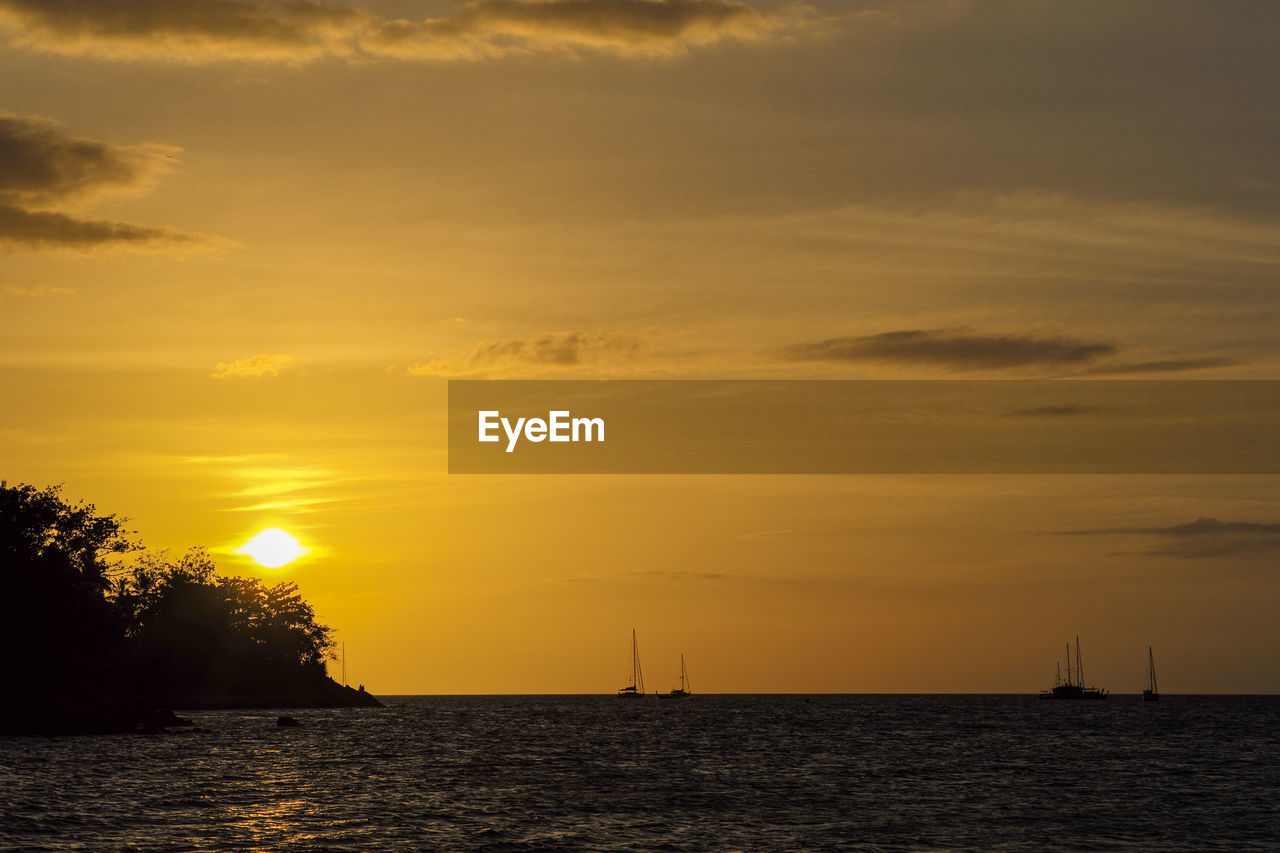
column 273, row 548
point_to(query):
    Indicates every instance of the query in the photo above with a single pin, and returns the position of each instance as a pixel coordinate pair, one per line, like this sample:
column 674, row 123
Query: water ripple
column 708, row 773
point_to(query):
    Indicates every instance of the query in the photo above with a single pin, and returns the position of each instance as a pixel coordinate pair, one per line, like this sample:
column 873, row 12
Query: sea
column 711, row 772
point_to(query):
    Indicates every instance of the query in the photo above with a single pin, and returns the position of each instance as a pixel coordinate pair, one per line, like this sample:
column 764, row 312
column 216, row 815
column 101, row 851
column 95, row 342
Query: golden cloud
column 254, row 367
column 201, row 31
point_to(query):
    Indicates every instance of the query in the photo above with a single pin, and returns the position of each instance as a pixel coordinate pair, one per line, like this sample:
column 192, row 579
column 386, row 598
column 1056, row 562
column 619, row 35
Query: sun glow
column 273, row 548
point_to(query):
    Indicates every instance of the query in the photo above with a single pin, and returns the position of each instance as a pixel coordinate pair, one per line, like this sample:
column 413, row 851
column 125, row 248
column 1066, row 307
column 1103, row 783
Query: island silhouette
column 103, row 636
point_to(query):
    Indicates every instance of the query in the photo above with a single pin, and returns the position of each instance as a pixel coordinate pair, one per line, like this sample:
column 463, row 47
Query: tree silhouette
column 192, row 630
column 106, row 633
column 63, row 637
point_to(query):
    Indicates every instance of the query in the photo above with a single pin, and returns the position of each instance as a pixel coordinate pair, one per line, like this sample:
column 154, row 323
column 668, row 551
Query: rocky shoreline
column 117, row 715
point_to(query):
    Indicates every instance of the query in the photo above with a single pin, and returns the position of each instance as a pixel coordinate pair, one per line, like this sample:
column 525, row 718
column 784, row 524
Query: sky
column 244, row 245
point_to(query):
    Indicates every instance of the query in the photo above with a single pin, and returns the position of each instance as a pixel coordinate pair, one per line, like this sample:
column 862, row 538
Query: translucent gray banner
column 864, row 427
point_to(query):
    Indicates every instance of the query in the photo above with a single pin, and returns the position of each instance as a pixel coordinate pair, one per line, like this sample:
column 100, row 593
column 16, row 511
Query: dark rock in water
column 306, row 692
column 287, row 721
column 159, row 722
column 165, row 719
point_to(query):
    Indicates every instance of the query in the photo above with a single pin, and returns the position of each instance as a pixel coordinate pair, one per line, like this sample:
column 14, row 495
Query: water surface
column 706, row 773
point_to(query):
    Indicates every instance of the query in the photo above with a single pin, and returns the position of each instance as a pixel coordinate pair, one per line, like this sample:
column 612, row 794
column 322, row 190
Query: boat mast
column 1069, row 681
column 1151, row 669
column 1079, row 665
column 637, row 675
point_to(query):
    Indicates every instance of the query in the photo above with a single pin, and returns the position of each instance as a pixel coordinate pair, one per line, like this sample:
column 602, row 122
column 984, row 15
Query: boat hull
column 1074, row 692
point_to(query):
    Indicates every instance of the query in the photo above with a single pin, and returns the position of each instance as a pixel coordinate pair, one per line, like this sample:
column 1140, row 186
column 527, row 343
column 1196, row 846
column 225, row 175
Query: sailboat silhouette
column 682, row 691
column 1152, row 693
column 1074, row 686
column 636, row 687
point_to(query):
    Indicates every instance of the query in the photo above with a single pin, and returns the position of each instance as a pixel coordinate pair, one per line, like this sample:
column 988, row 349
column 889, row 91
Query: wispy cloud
column 489, row 28
column 254, row 367
column 44, row 229
column 295, row 506
column 1170, row 365
column 549, row 351
column 39, row 291
column 271, row 482
column 283, row 484
column 643, row 575
column 1061, row 411
column 962, row 350
column 42, row 166
column 199, row 31
column 1202, row 538
column 949, row 349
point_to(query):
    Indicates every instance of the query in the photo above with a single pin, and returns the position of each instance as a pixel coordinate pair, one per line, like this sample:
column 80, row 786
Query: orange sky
column 243, row 244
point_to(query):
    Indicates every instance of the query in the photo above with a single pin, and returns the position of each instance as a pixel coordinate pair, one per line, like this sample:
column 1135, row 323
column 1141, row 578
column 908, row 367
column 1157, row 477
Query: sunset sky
column 244, row 244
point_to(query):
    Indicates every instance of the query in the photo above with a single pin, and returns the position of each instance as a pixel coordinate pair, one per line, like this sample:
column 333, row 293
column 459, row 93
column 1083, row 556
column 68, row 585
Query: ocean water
column 707, row 773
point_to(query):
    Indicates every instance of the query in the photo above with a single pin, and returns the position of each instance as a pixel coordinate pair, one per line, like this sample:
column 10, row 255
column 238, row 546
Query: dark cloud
column 950, row 349
column 1204, row 537
column 1050, row 411
column 561, row 350
column 554, row 349
column 191, row 30
column 39, row 162
column 43, row 229
column 611, row 18
column 41, row 165
column 674, row 575
column 296, row 30
column 680, row 575
column 1173, row 365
